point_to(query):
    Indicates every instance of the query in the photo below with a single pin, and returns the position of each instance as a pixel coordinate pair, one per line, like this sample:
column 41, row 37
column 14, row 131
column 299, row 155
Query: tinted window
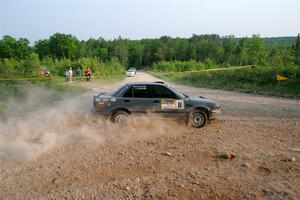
column 128, row 93
column 162, row 92
column 141, row 91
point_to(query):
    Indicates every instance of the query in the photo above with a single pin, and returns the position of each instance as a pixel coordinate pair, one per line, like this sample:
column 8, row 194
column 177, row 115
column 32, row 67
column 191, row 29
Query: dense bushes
column 10, row 67
column 182, row 66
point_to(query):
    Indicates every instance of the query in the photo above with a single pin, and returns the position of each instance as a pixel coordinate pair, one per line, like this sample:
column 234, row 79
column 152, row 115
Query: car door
column 166, row 102
column 138, row 99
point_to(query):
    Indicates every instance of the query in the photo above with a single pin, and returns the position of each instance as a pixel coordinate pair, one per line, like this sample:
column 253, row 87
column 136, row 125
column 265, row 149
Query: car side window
column 128, row 93
column 162, row 92
column 141, row 91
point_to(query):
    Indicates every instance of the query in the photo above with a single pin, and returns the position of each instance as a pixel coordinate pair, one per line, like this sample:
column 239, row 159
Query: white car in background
column 131, row 72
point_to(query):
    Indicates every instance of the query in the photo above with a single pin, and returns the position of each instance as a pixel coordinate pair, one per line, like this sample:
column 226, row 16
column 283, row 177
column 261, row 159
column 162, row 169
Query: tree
column 253, row 51
column 230, row 45
column 31, row 64
column 7, row 46
column 62, row 45
column 103, row 54
column 297, row 50
column 42, row 48
column 135, row 54
column 281, row 56
column 120, row 51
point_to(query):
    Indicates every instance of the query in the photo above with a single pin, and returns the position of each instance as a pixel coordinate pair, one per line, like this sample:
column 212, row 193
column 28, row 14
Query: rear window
column 138, row 91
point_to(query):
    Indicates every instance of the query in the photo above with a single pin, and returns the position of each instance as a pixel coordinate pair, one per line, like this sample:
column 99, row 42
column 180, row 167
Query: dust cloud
column 43, row 119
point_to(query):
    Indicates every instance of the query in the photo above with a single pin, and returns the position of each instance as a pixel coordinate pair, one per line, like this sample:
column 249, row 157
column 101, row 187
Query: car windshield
column 118, row 90
column 178, row 93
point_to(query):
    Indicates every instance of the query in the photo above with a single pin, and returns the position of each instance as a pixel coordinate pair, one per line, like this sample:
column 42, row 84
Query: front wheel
column 119, row 116
column 198, row 119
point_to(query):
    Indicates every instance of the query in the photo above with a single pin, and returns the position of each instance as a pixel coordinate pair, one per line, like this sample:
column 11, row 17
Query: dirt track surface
column 166, row 160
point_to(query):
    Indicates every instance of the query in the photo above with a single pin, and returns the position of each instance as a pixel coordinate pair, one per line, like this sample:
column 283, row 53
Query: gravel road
column 74, row 155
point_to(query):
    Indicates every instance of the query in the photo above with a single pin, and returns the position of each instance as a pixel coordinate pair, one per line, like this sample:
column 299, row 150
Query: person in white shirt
column 70, row 74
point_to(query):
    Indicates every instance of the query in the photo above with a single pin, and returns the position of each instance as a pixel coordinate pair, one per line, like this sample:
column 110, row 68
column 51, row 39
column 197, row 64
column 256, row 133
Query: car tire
column 119, row 116
column 197, row 119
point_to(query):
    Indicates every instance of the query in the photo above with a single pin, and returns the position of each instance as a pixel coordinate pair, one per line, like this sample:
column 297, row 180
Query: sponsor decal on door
column 168, row 104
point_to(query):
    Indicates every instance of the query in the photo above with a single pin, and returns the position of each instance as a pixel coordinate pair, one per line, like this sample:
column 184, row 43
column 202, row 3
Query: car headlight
column 217, row 107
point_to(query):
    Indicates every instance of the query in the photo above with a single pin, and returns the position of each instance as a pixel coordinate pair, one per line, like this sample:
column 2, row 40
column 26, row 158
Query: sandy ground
column 157, row 159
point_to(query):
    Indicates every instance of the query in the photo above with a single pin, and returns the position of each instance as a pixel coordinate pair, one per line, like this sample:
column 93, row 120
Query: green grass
column 258, row 80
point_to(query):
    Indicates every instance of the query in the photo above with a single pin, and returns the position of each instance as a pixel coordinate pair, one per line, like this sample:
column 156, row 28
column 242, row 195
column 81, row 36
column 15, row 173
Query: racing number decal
column 171, row 104
column 180, row 104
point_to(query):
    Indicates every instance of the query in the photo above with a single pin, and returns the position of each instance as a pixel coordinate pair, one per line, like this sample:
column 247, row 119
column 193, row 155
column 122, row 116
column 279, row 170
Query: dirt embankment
column 63, row 152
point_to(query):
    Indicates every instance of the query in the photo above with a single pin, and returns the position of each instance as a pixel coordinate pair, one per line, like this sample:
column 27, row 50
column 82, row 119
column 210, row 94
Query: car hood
column 202, row 100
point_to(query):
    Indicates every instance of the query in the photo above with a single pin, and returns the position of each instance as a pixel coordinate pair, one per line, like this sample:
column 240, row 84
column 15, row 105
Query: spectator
column 88, row 74
column 78, row 71
column 66, row 75
column 70, row 74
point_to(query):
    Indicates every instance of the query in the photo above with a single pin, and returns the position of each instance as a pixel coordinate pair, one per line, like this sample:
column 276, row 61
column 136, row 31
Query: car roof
column 145, row 83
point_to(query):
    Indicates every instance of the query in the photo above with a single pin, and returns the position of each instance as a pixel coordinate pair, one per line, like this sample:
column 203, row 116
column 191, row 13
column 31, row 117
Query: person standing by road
column 70, row 74
column 88, row 74
column 78, row 72
column 66, row 75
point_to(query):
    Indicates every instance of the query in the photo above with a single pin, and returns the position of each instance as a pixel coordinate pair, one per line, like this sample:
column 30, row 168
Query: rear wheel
column 198, row 119
column 120, row 116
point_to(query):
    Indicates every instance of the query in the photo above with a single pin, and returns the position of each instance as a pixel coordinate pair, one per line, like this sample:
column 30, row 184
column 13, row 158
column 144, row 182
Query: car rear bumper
column 131, row 74
column 100, row 112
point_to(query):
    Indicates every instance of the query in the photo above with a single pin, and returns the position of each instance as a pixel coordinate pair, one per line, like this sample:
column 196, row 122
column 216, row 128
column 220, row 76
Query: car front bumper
column 214, row 114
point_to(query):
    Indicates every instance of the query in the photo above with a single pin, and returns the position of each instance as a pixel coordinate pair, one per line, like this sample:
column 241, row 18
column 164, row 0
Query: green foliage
column 209, row 63
column 181, row 66
column 9, row 66
column 98, row 68
column 30, row 65
column 253, row 51
column 281, row 56
column 12, row 48
column 62, row 51
column 135, row 53
column 297, row 50
column 42, row 48
column 261, row 80
column 120, row 51
column 62, row 45
column 60, row 65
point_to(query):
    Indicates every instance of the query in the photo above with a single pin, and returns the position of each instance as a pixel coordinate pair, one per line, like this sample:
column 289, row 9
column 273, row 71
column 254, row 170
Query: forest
column 18, row 57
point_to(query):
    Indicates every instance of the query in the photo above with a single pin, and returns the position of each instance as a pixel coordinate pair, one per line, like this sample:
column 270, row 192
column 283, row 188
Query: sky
column 135, row 19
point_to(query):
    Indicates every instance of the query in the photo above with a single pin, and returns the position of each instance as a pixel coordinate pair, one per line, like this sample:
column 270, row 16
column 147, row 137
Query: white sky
column 148, row 19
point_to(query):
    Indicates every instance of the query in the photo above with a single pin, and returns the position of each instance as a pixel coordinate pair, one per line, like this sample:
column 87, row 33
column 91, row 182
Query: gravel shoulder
column 164, row 159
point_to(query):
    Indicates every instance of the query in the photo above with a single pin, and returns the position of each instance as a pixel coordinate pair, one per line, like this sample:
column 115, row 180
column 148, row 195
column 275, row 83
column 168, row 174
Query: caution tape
column 50, row 78
column 29, row 79
column 207, row 70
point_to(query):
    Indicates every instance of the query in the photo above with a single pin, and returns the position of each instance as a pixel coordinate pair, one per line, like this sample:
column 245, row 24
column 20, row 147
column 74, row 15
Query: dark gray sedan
column 155, row 98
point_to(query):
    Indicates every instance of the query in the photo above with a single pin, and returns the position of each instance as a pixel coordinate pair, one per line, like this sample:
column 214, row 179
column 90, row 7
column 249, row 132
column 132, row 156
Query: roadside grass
column 257, row 80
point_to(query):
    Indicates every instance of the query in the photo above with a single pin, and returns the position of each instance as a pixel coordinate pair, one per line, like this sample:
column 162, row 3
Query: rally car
column 155, row 98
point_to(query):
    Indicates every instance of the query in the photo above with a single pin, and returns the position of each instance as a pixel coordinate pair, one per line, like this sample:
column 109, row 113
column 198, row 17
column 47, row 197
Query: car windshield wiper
column 185, row 95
